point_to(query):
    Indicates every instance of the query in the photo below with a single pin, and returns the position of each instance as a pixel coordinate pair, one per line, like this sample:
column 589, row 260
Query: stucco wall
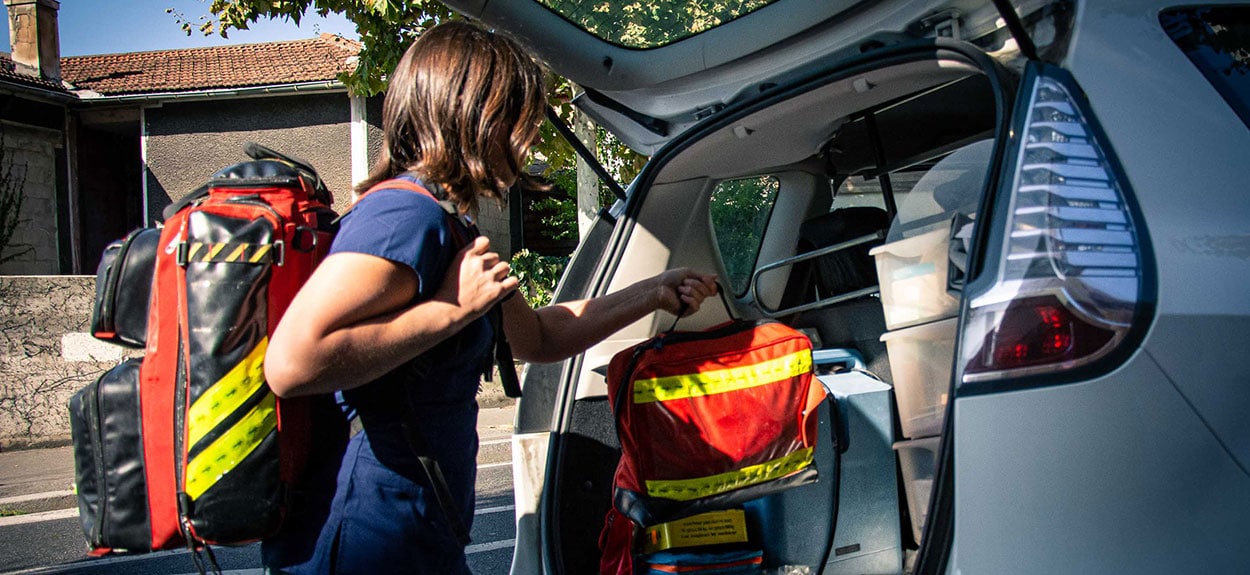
column 187, row 142
column 31, row 153
column 46, row 355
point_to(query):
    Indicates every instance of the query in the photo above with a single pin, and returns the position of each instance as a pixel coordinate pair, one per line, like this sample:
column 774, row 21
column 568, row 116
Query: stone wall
column 30, row 153
column 46, row 355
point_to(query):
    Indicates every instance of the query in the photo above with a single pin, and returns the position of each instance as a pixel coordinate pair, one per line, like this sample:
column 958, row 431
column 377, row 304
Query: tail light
column 1067, row 278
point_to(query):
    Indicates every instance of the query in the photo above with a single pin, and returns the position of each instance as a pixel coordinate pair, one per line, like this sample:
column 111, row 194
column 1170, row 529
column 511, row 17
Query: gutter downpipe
column 143, row 160
column 248, row 91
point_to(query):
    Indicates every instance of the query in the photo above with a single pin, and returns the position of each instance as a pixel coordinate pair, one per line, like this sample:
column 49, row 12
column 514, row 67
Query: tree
column 386, row 28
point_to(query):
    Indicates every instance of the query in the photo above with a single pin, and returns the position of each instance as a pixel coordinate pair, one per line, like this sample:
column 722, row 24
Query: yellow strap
column 722, row 380
column 228, row 394
column 224, row 454
column 688, row 489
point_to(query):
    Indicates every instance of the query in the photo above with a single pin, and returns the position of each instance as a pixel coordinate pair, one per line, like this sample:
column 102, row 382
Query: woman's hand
column 476, row 279
column 681, row 291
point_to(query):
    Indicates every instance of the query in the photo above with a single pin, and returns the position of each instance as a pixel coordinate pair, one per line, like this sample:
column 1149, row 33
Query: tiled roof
column 194, row 69
column 7, row 74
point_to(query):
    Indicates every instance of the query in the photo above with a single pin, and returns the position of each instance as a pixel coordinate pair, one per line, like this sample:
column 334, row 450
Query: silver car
column 1017, row 232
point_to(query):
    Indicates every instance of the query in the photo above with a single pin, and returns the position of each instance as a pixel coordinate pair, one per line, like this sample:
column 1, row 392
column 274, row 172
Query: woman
column 394, row 317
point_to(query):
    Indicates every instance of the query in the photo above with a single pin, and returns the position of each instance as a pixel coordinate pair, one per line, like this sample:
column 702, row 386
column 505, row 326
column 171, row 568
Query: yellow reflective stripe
column 195, row 249
column 685, row 386
column 238, row 253
column 688, row 489
column 225, row 396
column 224, row 454
column 261, row 251
column 213, row 250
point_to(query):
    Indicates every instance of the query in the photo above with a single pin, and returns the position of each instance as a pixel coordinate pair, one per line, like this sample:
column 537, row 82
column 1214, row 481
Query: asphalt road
column 51, row 542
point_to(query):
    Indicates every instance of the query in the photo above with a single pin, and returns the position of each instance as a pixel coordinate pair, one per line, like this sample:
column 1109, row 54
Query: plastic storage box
column 913, row 266
column 921, row 358
column 916, row 458
column 913, row 273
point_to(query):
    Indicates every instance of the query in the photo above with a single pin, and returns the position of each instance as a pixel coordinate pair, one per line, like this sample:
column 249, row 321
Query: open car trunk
column 876, row 170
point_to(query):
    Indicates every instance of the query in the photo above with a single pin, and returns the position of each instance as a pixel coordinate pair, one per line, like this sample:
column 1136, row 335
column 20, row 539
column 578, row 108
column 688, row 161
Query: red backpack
column 190, row 446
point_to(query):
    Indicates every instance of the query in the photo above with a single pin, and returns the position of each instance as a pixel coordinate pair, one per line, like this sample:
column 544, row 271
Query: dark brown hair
column 463, row 108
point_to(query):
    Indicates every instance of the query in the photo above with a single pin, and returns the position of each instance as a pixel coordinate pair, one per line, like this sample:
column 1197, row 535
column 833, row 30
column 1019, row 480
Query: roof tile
column 194, row 69
column 8, row 73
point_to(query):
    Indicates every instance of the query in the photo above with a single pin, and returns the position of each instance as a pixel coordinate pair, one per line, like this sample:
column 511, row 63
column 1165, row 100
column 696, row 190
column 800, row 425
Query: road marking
column 491, row 546
column 34, row 497
column 37, row 517
column 494, row 465
column 489, row 510
column 496, row 441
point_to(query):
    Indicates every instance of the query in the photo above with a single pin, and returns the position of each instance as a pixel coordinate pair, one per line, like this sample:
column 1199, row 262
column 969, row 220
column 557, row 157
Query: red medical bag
column 713, row 418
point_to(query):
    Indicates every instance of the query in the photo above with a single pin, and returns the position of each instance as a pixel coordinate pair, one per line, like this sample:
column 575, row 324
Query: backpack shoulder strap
column 463, row 230
column 401, row 184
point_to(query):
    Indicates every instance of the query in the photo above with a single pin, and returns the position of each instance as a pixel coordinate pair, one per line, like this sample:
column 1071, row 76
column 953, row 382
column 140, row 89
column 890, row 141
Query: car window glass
column 860, row 191
column 739, row 210
column 1216, row 40
column 650, row 24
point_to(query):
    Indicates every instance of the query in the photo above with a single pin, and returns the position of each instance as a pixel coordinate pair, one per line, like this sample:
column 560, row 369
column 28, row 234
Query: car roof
column 649, row 86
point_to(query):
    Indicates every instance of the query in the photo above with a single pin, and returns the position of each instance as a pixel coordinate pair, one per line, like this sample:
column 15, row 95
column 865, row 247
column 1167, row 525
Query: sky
column 113, row 26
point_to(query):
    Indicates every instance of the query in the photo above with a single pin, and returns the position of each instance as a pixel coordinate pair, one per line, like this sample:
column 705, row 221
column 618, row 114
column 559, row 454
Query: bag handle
column 720, row 290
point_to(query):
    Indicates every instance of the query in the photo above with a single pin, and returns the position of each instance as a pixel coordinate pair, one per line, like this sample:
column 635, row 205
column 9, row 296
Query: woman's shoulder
column 397, row 205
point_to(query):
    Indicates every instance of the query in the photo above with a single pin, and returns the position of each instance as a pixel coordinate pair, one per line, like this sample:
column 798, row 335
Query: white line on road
column 490, row 546
column 496, row 441
column 34, row 497
column 37, row 517
column 489, row 510
column 493, row 465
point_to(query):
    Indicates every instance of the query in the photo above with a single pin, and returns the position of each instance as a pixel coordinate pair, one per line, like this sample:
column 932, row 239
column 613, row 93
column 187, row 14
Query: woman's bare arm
column 353, row 321
column 556, row 332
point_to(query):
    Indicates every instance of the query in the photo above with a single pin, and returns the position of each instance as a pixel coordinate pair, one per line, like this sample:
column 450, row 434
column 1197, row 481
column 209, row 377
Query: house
column 121, row 136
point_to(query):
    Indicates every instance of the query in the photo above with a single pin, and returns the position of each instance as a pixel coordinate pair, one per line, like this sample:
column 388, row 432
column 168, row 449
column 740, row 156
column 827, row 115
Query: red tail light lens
column 1036, row 331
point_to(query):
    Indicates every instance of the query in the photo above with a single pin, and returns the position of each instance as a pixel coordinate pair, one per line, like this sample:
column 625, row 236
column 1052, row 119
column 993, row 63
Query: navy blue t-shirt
column 382, row 503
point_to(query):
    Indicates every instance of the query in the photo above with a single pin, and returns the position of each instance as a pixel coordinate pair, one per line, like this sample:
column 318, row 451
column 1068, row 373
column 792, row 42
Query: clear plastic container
column 913, row 274
column 914, row 265
column 921, row 358
column 917, row 458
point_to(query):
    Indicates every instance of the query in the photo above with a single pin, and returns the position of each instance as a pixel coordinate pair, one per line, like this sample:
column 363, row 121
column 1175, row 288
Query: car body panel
column 1116, row 475
column 1197, row 210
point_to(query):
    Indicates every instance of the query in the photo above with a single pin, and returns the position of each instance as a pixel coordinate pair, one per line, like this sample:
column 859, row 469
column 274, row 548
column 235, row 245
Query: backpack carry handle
column 259, row 152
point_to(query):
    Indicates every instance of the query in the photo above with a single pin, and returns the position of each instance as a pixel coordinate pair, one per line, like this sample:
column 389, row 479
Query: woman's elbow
column 286, row 372
column 540, row 353
column 280, row 375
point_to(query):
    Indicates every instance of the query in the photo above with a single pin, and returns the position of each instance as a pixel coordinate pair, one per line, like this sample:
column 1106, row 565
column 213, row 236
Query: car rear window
column 1217, row 40
column 638, row 24
column 740, row 210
